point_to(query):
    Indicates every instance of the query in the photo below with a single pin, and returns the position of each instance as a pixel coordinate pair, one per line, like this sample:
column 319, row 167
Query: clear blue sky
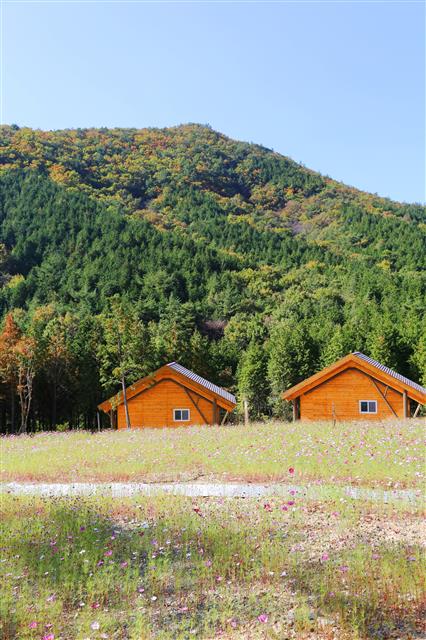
column 337, row 86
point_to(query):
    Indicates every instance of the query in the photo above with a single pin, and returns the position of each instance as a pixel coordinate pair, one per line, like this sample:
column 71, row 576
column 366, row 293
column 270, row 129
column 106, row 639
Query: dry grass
column 374, row 454
column 174, row 569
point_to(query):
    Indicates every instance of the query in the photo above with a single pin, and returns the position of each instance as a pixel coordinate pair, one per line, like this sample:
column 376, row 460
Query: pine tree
column 253, row 384
column 384, row 343
column 58, row 363
column 121, row 355
column 419, row 358
column 173, row 333
column 337, row 346
column 199, row 355
column 292, row 358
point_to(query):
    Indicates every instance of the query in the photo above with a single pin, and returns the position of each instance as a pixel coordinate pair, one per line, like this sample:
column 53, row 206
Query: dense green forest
column 225, row 256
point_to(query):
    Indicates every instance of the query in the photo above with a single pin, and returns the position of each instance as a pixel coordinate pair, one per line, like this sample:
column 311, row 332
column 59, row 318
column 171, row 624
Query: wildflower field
column 359, row 453
column 172, row 568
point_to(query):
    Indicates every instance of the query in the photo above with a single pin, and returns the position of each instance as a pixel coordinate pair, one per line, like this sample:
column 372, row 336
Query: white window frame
column 364, row 413
column 181, row 419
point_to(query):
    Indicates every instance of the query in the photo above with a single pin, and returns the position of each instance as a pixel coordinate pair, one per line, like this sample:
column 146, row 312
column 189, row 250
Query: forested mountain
column 223, row 255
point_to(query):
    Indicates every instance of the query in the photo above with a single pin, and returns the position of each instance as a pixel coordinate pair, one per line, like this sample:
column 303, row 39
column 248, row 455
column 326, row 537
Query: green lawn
column 383, row 454
column 172, row 568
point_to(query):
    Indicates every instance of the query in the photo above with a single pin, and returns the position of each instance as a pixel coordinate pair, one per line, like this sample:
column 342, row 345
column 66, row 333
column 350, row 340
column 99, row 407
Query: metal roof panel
column 389, row 371
column 202, row 381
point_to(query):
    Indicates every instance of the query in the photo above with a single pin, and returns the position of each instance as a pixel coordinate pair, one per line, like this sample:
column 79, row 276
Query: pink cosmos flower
column 33, row 625
column 124, row 564
column 49, row 636
column 284, row 507
column 290, row 503
column 324, row 557
column 263, row 618
column 108, row 553
column 267, row 507
column 95, row 625
column 291, row 471
column 95, row 605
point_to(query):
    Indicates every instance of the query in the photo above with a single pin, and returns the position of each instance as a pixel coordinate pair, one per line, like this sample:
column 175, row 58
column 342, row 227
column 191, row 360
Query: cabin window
column 368, row 406
column 181, row 415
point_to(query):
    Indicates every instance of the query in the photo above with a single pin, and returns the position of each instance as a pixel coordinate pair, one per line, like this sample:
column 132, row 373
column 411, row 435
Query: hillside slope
column 235, row 258
column 150, row 171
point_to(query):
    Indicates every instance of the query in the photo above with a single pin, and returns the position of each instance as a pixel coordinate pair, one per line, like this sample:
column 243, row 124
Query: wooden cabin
column 172, row 396
column 355, row 388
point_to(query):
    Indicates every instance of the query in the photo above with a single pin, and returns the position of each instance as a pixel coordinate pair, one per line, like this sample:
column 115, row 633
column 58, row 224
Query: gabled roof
column 390, row 372
column 369, row 366
column 188, row 378
column 202, row 381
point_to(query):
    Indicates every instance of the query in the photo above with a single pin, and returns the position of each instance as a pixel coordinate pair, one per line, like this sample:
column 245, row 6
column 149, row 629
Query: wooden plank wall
column 154, row 407
column 339, row 398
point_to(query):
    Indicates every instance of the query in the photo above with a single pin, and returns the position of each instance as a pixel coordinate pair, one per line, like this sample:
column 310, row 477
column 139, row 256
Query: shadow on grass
column 367, row 600
column 160, row 569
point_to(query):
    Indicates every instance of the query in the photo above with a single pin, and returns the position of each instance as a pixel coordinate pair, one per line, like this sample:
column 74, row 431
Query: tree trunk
column 25, row 387
column 246, row 413
column 21, row 392
column 126, row 406
column 54, row 404
column 123, row 382
column 12, row 409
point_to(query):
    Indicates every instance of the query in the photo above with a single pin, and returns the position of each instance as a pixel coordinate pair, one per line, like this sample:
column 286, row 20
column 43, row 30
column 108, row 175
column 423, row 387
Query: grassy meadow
column 175, row 568
column 388, row 454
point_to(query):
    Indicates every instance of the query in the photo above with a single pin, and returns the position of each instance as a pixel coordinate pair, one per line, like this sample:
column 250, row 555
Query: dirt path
column 222, row 490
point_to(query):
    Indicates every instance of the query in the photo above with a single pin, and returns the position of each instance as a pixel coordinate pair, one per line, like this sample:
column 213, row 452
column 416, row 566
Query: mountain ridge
column 236, row 261
column 137, row 169
column 200, row 127
column 144, row 134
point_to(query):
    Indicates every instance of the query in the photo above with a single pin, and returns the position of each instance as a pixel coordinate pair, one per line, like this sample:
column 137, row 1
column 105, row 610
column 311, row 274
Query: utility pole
column 246, row 412
column 123, row 383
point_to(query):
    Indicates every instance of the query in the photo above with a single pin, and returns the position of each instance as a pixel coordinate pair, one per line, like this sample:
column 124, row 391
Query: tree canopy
column 227, row 257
